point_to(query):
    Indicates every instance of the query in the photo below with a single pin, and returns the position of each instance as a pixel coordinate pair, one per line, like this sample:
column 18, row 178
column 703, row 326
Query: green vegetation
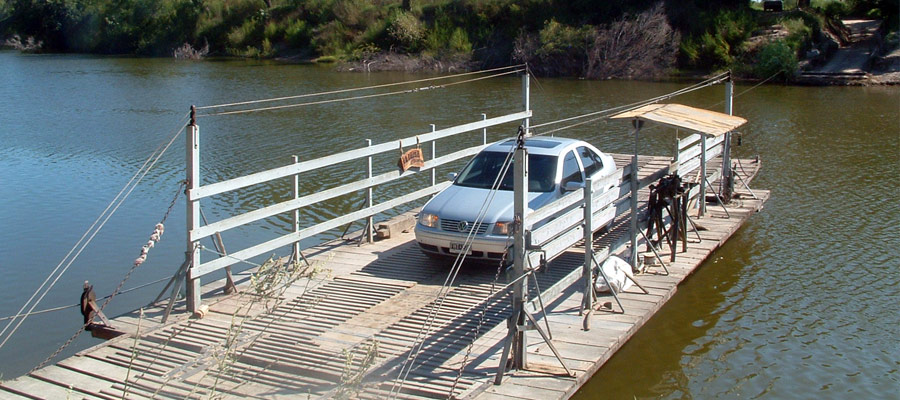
column 622, row 38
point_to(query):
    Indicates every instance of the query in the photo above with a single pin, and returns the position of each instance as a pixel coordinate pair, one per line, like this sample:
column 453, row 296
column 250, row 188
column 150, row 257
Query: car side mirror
column 451, row 176
column 572, row 186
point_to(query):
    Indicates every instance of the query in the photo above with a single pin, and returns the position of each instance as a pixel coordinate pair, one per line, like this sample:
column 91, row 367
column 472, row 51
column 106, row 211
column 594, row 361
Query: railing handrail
column 234, row 221
column 305, row 166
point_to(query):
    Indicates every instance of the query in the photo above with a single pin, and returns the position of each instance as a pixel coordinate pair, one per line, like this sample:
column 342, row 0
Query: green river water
column 801, row 303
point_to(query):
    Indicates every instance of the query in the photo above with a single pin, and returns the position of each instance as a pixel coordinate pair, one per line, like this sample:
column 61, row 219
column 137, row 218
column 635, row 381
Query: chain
column 481, row 316
column 111, row 296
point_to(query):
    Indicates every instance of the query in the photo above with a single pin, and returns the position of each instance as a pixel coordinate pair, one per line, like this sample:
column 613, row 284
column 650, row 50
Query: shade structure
column 684, row 117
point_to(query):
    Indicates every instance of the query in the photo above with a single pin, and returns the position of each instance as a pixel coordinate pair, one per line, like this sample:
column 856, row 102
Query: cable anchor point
column 520, row 138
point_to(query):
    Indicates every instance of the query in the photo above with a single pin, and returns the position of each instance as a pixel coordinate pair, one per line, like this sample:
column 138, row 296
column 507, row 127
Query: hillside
column 599, row 40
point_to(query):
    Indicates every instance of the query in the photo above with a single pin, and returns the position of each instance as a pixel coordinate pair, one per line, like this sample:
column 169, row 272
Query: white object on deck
column 617, row 271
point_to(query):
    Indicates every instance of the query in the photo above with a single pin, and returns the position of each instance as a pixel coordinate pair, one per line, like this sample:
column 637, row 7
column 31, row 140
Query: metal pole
column 587, row 302
column 726, row 154
column 526, row 93
column 634, row 189
column 296, row 212
column 192, row 215
column 520, row 202
column 433, row 155
column 370, row 220
column 702, row 199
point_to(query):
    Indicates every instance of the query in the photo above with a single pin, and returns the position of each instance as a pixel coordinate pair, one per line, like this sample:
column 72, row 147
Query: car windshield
column 482, row 171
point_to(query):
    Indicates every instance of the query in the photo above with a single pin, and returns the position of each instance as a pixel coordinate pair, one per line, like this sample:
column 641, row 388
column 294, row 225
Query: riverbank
column 649, row 39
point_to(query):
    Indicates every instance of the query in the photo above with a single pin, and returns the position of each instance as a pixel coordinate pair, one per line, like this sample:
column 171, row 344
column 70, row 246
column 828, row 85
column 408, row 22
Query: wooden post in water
column 296, row 254
column 370, row 220
column 192, row 215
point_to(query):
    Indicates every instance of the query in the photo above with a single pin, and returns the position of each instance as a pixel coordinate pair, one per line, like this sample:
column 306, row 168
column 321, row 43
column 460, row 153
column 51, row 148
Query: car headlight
column 428, row 219
column 502, row 228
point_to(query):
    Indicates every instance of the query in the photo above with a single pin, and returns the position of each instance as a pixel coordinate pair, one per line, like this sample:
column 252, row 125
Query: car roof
column 541, row 145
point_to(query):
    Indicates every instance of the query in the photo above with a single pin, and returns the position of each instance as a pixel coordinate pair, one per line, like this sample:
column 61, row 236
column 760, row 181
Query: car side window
column 571, row 171
column 590, row 160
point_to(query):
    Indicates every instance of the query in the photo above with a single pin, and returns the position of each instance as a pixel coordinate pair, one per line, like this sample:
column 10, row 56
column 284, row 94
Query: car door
column 571, row 170
column 591, row 162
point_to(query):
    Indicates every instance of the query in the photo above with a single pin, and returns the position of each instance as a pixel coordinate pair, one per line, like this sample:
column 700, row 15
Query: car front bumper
column 484, row 247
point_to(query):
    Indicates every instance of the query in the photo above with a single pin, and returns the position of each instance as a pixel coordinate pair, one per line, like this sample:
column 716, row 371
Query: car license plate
column 458, row 248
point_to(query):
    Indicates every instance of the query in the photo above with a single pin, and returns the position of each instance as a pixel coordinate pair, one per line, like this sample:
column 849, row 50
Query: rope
column 368, row 96
column 749, row 89
column 709, row 82
column 77, row 305
column 409, row 363
column 114, row 293
column 356, row 89
column 95, row 227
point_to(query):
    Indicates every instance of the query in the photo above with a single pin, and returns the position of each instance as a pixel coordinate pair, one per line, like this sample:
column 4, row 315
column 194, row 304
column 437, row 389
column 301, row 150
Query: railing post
column 296, row 254
column 634, row 195
column 520, row 203
column 192, row 215
column 483, row 130
column 726, row 151
column 675, row 159
column 526, row 99
column 702, row 199
column 587, row 302
column 433, row 156
column 370, row 220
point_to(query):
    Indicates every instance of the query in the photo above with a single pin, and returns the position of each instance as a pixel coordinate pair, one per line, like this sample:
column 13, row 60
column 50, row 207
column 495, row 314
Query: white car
column 556, row 166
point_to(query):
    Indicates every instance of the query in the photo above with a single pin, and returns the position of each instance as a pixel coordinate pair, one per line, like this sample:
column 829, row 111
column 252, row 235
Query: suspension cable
column 44, row 311
column 95, row 227
column 361, row 97
column 709, row 82
column 437, row 305
column 358, row 88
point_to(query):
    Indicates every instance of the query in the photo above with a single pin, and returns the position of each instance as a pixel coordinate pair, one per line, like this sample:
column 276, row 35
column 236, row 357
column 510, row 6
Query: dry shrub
column 639, row 46
column 644, row 46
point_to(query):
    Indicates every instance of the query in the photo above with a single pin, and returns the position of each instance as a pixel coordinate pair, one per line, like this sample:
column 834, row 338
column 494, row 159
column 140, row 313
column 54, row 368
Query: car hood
column 464, row 203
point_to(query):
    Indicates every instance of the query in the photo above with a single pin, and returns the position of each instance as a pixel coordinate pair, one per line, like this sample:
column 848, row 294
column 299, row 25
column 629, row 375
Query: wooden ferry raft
column 315, row 341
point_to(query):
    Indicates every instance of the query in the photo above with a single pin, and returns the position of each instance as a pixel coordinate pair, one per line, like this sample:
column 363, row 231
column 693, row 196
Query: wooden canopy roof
column 684, row 117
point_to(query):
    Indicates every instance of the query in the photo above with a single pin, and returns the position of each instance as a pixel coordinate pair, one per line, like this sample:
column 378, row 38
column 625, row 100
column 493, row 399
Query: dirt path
column 855, row 57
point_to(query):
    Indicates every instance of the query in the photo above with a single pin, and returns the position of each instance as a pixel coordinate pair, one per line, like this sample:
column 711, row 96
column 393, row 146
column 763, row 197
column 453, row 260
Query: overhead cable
column 518, row 67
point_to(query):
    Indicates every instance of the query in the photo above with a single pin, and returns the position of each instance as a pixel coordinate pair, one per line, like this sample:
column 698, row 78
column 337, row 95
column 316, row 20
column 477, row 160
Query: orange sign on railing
column 413, row 158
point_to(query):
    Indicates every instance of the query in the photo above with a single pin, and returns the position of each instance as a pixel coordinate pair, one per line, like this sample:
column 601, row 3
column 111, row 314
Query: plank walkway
column 364, row 315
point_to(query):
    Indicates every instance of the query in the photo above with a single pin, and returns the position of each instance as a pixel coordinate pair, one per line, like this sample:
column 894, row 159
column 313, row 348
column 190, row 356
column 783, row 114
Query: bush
column 406, row 30
column 297, row 34
column 800, row 35
column 776, row 57
column 459, row 42
column 719, row 46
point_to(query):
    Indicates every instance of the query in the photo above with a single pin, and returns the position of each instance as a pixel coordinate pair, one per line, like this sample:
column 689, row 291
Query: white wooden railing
column 197, row 231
